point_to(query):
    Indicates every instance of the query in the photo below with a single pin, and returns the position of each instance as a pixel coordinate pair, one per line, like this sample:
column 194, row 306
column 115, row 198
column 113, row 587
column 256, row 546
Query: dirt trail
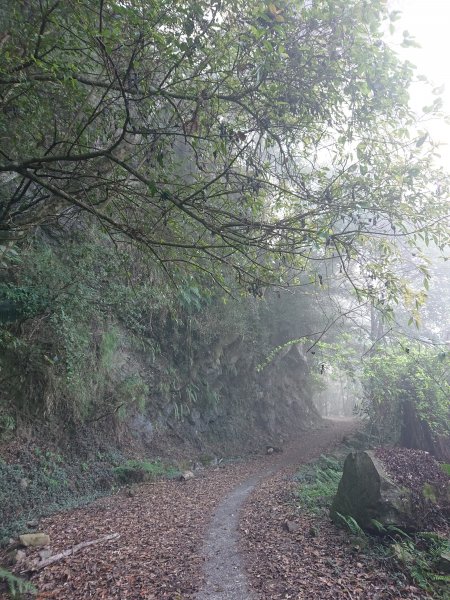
column 176, row 540
column 225, row 574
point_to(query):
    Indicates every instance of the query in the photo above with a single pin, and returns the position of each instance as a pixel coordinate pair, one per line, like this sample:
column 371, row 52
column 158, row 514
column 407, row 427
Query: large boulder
column 367, row 493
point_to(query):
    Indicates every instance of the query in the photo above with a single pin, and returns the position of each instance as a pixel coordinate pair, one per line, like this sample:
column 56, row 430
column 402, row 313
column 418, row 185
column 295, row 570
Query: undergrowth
column 45, row 482
column 318, row 484
column 16, row 586
column 42, row 482
column 419, row 556
column 135, row 471
column 416, row 555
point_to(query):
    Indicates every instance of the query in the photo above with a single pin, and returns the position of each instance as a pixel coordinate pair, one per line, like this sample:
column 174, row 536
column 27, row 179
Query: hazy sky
column 429, row 22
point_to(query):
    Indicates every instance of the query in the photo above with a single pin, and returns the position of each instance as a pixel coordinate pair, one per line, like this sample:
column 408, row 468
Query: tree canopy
column 251, row 138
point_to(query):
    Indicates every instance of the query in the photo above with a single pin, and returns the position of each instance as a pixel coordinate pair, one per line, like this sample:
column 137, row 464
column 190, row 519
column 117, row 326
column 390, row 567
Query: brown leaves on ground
column 157, row 555
column 161, row 527
column 316, row 561
column 415, row 469
column 412, row 468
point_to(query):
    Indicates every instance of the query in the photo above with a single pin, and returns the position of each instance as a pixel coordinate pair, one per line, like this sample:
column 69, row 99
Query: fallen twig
column 56, row 557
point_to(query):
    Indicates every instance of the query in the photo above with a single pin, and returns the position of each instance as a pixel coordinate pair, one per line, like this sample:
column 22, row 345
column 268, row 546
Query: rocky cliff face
column 234, row 408
column 156, row 408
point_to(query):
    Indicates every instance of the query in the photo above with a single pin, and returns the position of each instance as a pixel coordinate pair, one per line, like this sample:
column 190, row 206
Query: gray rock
column 34, row 539
column 367, row 493
column 142, row 426
column 32, row 524
column 273, row 449
column 44, row 554
column 15, row 556
column 291, row 526
column 443, row 564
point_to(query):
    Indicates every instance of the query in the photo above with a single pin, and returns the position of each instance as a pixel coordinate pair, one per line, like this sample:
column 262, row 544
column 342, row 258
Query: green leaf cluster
column 242, row 140
column 17, row 586
column 407, row 372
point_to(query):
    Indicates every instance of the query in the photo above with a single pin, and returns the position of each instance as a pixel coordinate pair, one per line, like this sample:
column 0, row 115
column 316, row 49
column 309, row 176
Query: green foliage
column 429, row 492
column 21, row 302
column 17, row 586
column 7, row 424
column 416, row 554
column 201, row 139
column 186, row 169
column 389, row 530
column 275, row 351
column 400, row 373
column 137, row 471
column 378, row 526
column 131, row 393
column 72, row 349
column 445, row 467
column 351, row 524
column 318, row 484
column 419, row 558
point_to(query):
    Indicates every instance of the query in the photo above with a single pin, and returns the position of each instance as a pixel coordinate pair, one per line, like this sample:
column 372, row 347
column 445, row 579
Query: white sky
column 429, row 22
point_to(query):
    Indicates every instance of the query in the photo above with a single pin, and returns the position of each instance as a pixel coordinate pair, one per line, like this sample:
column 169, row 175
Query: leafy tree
column 245, row 139
column 406, row 389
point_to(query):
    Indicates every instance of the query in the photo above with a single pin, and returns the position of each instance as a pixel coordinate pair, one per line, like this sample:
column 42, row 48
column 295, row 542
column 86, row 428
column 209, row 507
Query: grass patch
column 446, row 468
column 137, row 471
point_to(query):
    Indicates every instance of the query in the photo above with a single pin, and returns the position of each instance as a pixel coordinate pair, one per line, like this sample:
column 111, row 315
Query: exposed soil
column 225, row 574
column 181, row 540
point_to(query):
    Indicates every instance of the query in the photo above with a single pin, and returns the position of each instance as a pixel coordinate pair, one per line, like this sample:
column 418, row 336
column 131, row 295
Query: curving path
column 174, row 540
column 225, row 576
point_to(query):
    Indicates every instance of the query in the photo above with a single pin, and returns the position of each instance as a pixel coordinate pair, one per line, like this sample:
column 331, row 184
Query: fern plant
column 352, row 525
column 419, row 557
column 16, row 585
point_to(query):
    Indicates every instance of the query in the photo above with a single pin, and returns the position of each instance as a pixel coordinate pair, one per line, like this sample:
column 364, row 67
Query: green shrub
column 136, row 471
column 398, row 375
